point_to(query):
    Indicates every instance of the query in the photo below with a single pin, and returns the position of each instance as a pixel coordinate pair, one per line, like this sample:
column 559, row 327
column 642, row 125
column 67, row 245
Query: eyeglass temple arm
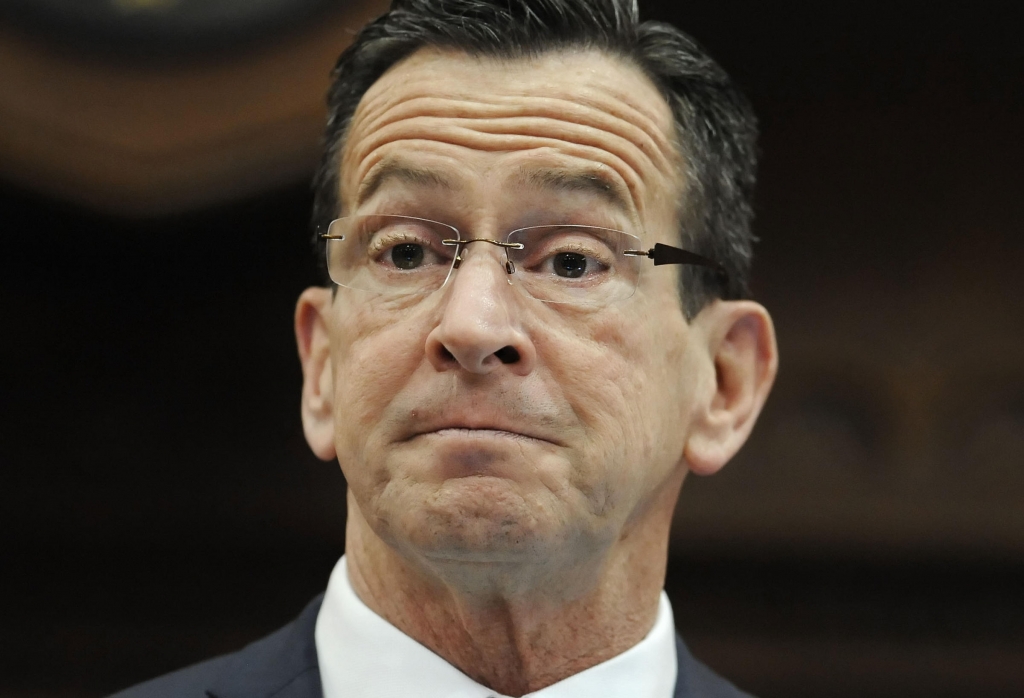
column 666, row 254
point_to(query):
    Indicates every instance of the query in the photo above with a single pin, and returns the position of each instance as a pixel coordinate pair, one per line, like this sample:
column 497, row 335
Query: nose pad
column 510, row 267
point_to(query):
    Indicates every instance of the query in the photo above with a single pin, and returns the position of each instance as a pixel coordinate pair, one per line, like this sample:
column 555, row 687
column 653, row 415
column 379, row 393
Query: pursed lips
column 483, row 433
column 481, row 430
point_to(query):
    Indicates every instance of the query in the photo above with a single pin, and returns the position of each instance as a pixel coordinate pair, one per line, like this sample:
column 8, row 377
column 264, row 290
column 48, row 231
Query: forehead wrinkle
column 637, row 124
column 588, row 103
column 619, row 154
column 607, row 117
column 444, row 132
column 594, row 88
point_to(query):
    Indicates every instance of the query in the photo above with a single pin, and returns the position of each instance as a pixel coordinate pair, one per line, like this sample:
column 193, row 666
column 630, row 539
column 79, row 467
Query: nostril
column 447, row 355
column 507, row 355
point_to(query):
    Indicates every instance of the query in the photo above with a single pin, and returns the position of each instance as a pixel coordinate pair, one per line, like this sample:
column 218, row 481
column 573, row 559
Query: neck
column 540, row 627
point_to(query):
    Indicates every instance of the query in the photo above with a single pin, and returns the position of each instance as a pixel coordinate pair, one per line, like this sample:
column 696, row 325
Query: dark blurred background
column 158, row 503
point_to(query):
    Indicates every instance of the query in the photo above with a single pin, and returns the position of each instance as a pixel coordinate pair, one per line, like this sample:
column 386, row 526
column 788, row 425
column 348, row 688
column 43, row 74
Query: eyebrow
column 588, row 181
column 396, row 170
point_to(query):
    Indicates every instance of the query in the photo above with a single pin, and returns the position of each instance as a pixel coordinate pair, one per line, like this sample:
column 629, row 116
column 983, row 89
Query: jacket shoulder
column 190, row 682
column 281, row 665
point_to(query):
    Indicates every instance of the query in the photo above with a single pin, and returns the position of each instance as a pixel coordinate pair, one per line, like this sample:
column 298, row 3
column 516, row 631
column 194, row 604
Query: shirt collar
column 362, row 654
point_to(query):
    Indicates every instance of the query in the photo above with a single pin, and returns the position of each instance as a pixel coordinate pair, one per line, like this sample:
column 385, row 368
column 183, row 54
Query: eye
column 571, row 265
column 407, row 247
column 566, row 253
column 407, row 255
column 576, row 264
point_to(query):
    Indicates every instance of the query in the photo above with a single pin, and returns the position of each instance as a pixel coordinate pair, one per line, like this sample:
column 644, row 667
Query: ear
column 741, row 346
column 311, row 322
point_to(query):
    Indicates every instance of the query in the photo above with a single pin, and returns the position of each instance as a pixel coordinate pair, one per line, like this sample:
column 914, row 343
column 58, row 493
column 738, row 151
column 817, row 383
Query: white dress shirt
column 361, row 654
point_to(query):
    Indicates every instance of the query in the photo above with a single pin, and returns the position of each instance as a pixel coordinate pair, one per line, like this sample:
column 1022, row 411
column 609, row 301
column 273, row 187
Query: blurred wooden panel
column 891, row 263
column 848, row 668
column 154, row 139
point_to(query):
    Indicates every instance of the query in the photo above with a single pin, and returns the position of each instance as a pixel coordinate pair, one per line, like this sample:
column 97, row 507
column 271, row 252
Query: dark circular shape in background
column 161, row 30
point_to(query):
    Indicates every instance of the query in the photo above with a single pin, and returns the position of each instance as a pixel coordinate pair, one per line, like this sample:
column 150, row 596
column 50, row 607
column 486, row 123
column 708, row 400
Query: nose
column 478, row 330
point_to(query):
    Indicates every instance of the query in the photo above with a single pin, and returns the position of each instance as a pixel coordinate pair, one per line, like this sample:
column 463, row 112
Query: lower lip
column 459, row 453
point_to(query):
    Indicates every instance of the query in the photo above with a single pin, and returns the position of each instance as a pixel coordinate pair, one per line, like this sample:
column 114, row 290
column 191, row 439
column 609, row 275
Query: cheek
column 373, row 357
column 607, row 374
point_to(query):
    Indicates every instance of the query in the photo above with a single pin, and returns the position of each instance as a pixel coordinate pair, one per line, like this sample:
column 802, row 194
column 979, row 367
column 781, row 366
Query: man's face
column 455, row 447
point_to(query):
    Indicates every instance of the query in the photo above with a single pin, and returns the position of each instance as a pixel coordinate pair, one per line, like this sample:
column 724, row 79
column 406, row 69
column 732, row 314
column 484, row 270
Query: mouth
column 479, row 432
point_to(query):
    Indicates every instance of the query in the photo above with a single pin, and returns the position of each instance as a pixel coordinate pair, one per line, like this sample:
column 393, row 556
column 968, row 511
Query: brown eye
column 407, row 255
column 570, row 265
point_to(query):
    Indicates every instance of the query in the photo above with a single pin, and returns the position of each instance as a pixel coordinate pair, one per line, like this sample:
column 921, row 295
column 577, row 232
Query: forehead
column 575, row 109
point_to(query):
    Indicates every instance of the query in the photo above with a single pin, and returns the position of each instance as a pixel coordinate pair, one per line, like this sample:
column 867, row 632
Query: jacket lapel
column 696, row 680
column 283, row 665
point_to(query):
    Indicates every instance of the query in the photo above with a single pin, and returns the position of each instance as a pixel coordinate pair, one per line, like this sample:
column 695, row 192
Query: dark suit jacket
column 284, row 665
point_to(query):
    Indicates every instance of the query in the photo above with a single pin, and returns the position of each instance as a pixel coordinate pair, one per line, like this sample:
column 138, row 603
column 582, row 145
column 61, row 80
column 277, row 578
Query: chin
column 489, row 528
column 474, row 519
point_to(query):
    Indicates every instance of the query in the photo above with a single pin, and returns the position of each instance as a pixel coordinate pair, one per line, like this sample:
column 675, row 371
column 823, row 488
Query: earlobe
column 742, row 349
column 311, row 333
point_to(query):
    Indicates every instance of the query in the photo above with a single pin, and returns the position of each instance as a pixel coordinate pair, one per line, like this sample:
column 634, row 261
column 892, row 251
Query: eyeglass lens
column 399, row 255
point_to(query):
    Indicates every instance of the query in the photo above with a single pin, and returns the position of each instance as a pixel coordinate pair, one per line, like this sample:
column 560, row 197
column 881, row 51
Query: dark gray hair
column 716, row 127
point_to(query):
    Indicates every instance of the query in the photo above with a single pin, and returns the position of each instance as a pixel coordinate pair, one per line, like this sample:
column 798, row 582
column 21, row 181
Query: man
column 514, row 386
